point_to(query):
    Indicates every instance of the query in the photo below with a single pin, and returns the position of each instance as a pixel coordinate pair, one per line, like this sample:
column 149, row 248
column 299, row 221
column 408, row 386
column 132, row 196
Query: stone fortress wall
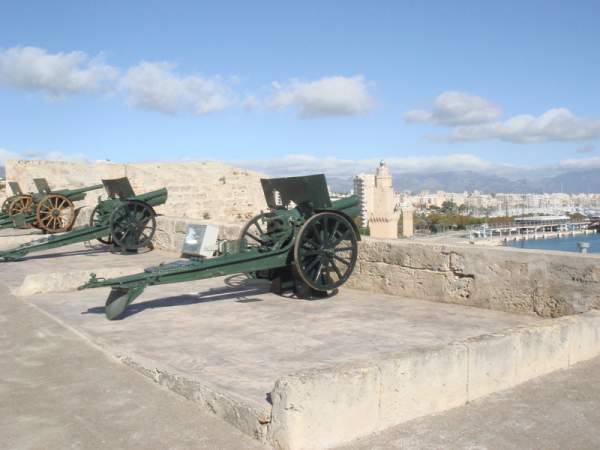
column 536, row 282
column 197, row 190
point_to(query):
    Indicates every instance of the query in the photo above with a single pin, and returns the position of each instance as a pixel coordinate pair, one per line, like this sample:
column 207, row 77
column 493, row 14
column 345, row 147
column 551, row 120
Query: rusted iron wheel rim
column 55, row 213
column 325, row 251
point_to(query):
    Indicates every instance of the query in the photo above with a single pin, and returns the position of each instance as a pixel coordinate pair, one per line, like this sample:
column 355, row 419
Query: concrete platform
column 64, row 269
column 303, row 374
column 57, row 393
column 10, row 237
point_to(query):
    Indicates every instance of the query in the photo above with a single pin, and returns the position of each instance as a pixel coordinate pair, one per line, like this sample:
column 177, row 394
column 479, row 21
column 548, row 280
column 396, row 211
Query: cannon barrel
column 350, row 206
column 153, row 198
column 77, row 194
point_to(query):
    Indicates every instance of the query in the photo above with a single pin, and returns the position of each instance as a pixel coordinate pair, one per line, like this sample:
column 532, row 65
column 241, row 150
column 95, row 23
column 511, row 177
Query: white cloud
column 329, row 96
column 294, row 164
column 582, row 163
column 55, row 74
column 557, row 124
column 155, row 86
column 453, row 108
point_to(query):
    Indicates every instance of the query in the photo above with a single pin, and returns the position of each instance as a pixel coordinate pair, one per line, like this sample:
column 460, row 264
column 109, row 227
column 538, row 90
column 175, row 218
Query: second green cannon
column 124, row 220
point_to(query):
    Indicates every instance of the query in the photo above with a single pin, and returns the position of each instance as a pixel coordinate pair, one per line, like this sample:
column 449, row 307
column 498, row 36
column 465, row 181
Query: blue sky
column 316, row 85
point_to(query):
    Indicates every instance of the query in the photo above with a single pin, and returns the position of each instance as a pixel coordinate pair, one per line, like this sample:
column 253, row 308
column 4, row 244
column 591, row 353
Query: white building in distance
column 364, row 188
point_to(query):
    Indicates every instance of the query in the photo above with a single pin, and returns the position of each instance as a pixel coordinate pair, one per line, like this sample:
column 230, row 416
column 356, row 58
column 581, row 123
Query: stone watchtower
column 383, row 220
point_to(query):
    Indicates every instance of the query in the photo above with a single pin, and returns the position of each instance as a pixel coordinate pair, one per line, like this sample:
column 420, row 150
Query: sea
column 563, row 244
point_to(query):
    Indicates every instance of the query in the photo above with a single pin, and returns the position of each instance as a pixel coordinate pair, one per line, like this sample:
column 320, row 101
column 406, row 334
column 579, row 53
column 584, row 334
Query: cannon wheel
column 97, row 219
column 132, row 225
column 22, row 203
column 325, row 251
column 6, row 204
column 55, row 213
column 257, row 227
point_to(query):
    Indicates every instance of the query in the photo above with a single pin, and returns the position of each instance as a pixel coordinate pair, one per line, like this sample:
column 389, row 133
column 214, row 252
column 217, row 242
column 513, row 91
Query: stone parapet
column 209, row 190
column 544, row 283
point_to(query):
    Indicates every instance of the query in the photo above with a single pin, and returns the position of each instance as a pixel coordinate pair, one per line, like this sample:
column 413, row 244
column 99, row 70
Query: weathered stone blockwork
column 171, row 231
column 323, row 408
column 549, row 284
column 209, row 191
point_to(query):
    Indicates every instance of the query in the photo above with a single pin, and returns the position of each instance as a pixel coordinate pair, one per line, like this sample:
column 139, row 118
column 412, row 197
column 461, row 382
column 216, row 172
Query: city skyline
column 405, row 82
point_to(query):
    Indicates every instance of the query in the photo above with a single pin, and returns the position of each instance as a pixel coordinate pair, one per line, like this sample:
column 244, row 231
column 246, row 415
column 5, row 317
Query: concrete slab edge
column 235, row 411
column 323, row 408
column 49, row 282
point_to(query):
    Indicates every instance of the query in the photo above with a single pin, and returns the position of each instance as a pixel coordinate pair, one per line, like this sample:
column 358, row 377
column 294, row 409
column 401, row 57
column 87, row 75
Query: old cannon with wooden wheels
column 52, row 211
column 124, row 220
column 8, row 201
column 309, row 249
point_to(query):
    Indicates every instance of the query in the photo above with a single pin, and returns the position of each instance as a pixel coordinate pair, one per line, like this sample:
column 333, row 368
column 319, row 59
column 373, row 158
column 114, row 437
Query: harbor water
column 564, row 244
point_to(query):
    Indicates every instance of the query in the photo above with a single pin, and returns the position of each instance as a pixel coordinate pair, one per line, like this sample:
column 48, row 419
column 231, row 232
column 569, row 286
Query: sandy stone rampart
column 545, row 283
column 198, row 190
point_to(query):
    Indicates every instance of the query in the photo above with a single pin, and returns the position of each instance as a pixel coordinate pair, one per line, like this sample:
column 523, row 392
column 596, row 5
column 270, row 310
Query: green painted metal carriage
column 304, row 243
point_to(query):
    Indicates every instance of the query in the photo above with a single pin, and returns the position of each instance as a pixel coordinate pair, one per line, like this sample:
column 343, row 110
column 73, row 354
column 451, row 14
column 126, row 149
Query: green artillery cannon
column 124, row 220
column 52, row 211
column 6, row 205
column 310, row 249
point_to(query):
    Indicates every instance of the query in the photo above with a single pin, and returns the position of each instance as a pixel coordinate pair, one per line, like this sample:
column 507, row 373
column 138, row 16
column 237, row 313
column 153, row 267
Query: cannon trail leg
column 119, row 298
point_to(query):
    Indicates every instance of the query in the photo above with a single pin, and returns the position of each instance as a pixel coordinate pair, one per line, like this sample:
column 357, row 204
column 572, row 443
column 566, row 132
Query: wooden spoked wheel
column 325, row 251
column 99, row 217
column 256, row 229
column 6, row 204
column 21, row 203
column 132, row 225
column 55, row 213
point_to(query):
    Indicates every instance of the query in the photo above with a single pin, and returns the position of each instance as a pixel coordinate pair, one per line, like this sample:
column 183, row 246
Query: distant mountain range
column 572, row 182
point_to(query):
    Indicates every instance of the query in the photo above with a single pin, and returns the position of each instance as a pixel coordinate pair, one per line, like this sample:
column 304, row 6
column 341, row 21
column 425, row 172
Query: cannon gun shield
column 119, row 188
column 42, row 185
column 306, row 190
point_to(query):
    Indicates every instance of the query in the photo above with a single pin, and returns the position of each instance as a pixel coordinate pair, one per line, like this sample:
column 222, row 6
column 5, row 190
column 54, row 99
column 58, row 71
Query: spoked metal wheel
column 133, row 225
column 99, row 217
column 258, row 226
column 55, row 213
column 325, row 251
